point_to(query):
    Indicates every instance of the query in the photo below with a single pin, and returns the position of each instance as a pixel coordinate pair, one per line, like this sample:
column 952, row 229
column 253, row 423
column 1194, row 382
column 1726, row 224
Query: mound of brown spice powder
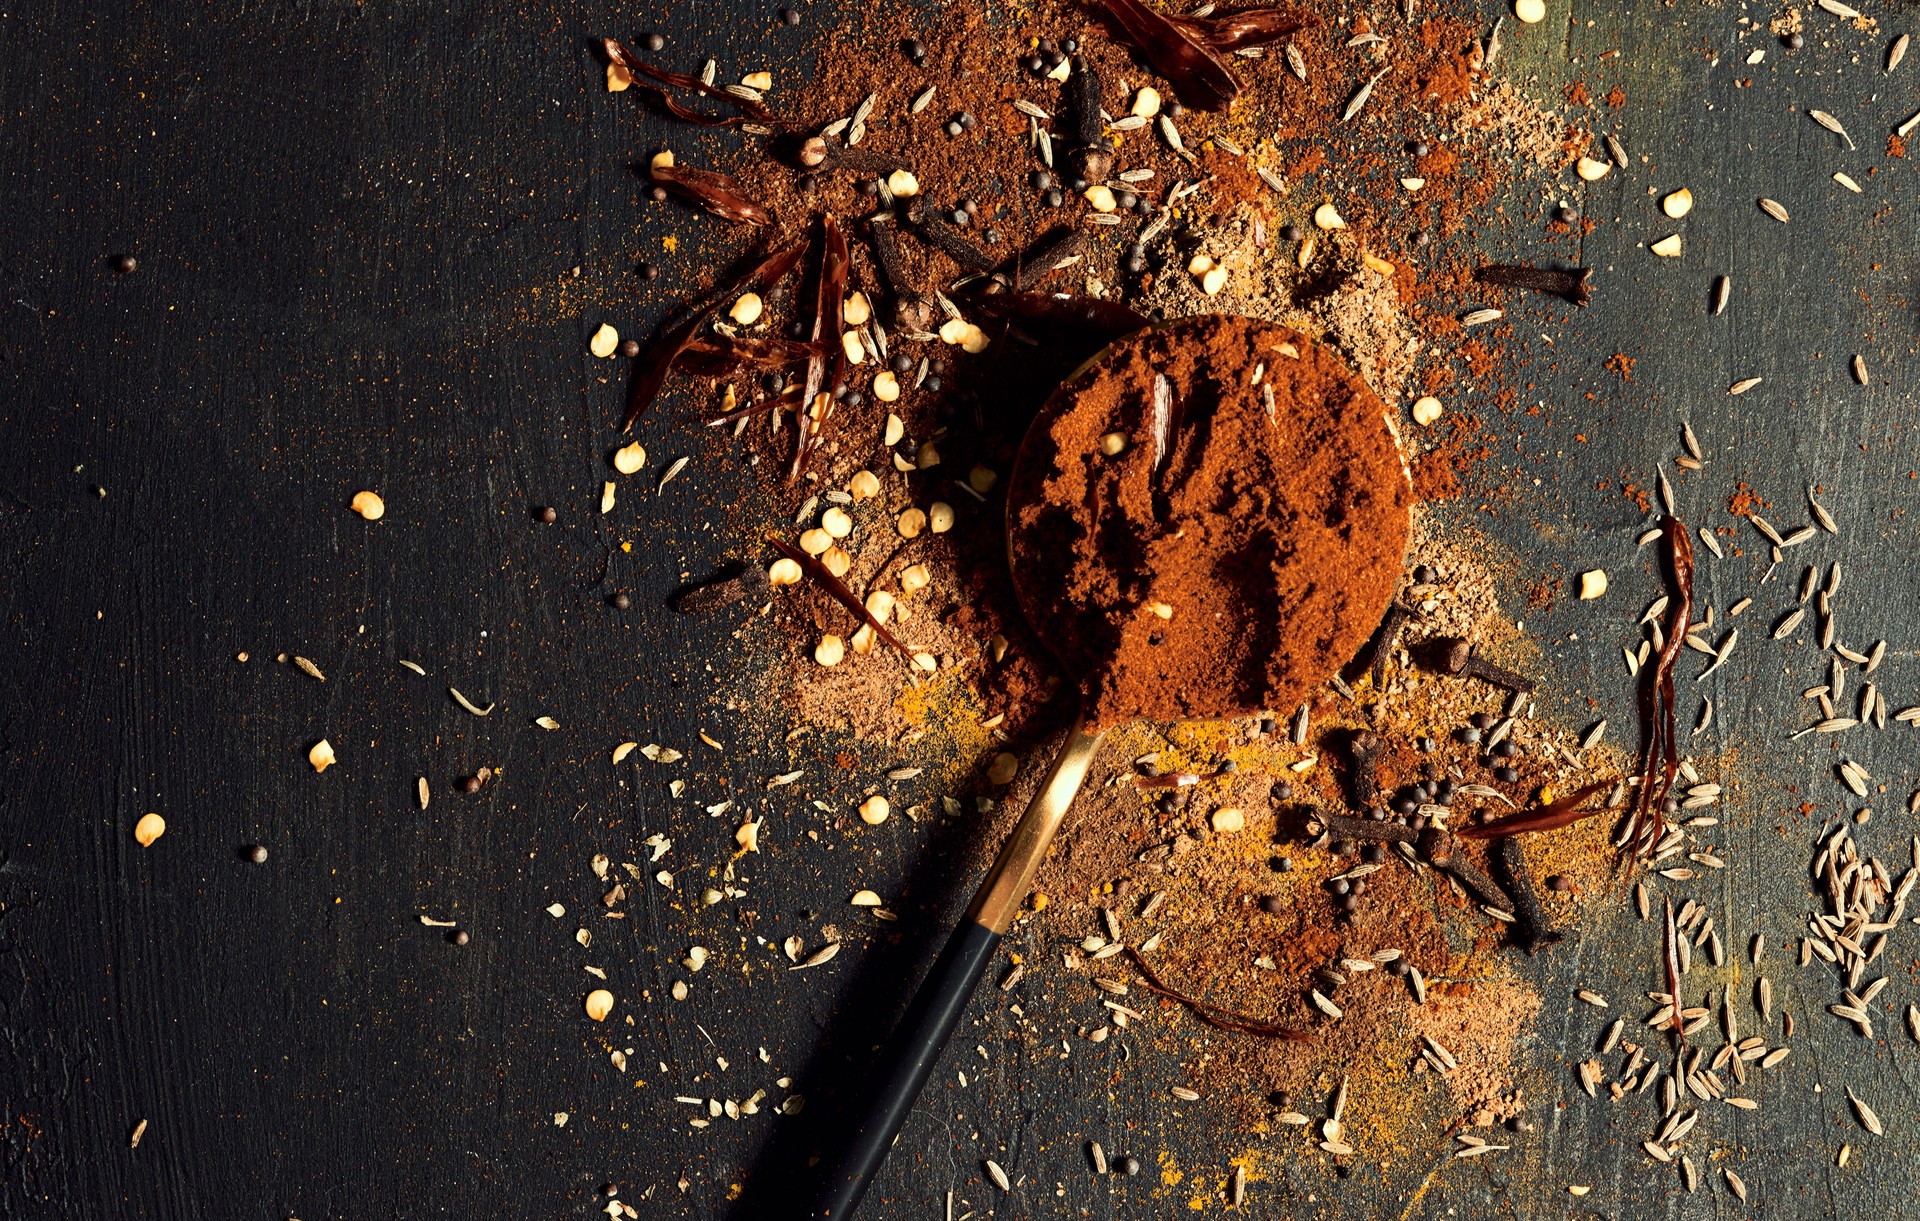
column 1208, row 520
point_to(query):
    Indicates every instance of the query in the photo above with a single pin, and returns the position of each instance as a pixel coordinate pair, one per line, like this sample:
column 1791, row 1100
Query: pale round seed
column 973, row 341
column 815, row 541
column 1426, row 409
column 784, row 571
column 865, row 898
column 864, row 485
column 321, row 756
column 1592, row 584
column 1213, row 281
column 1003, row 769
column 1113, row 444
column 940, row 516
column 1533, row 12
column 619, row 80
column 695, row 959
column 880, row 605
column 762, row 81
column 850, row 344
column 1678, row 204
column 369, row 505
column 953, row 330
column 895, row 430
column 747, row 309
column 662, row 158
column 874, row 810
column 836, row 561
column 1146, row 103
column 911, row 523
column 605, row 341
column 599, row 1004
column 886, row 387
column 1101, row 198
column 861, row 642
column 926, row 661
column 856, row 310
column 1199, row 265
column 830, row 651
column 914, row 578
column 1326, row 216
column 1160, row 610
column 927, row 456
column 836, row 522
column 1229, row 820
column 1591, row 170
column 149, row 828
column 1667, row 247
column 629, row 458
column 902, row 184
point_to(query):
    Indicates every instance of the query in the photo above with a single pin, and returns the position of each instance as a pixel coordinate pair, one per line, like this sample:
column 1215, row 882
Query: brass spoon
column 910, row 1056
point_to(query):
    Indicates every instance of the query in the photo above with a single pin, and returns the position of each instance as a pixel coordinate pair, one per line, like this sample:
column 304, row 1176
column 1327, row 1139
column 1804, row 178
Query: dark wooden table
column 372, row 241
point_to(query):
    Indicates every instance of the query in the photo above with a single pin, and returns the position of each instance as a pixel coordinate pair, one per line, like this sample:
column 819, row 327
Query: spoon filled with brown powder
column 1206, row 520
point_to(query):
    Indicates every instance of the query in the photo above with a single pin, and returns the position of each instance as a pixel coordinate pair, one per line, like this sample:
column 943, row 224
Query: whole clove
column 1435, row 846
column 1372, row 660
column 1573, row 284
column 1363, row 763
column 1339, row 826
column 931, row 228
column 1092, row 153
column 736, row 582
column 818, row 152
column 1054, row 250
column 1532, row 928
column 1455, row 657
column 1076, row 326
column 912, row 310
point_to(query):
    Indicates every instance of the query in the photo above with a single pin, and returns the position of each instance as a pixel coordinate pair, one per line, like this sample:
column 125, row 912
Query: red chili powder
column 1231, row 569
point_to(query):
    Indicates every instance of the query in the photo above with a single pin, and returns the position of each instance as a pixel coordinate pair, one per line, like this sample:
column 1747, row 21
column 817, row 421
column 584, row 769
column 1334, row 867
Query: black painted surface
column 356, row 229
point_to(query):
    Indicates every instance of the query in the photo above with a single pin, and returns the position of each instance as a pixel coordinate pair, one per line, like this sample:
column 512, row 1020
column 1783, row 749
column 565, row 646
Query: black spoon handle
column 915, row 1047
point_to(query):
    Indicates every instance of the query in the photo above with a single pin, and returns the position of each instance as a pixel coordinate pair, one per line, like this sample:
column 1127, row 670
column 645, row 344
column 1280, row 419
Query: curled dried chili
column 1191, row 51
column 636, row 68
column 837, row 590
column 829, row 359
column 1216, row 1016
column 1563, row 812
column 653, row 364
column 1659, row 743
column 720, row 194
column 1198, row 74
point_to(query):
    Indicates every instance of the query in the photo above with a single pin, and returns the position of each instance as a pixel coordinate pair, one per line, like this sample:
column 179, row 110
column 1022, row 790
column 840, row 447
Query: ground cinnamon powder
column 1232, row 567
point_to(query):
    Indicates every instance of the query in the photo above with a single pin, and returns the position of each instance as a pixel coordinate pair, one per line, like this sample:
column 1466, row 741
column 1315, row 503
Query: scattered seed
column 1831, row 124
column 1868, row 1119
column 1744, row 384
column 1361, row 95
column 998, row 1176
column 1773, row 208
column 468, row 704
column 1821, row 515
column 1722, row 288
